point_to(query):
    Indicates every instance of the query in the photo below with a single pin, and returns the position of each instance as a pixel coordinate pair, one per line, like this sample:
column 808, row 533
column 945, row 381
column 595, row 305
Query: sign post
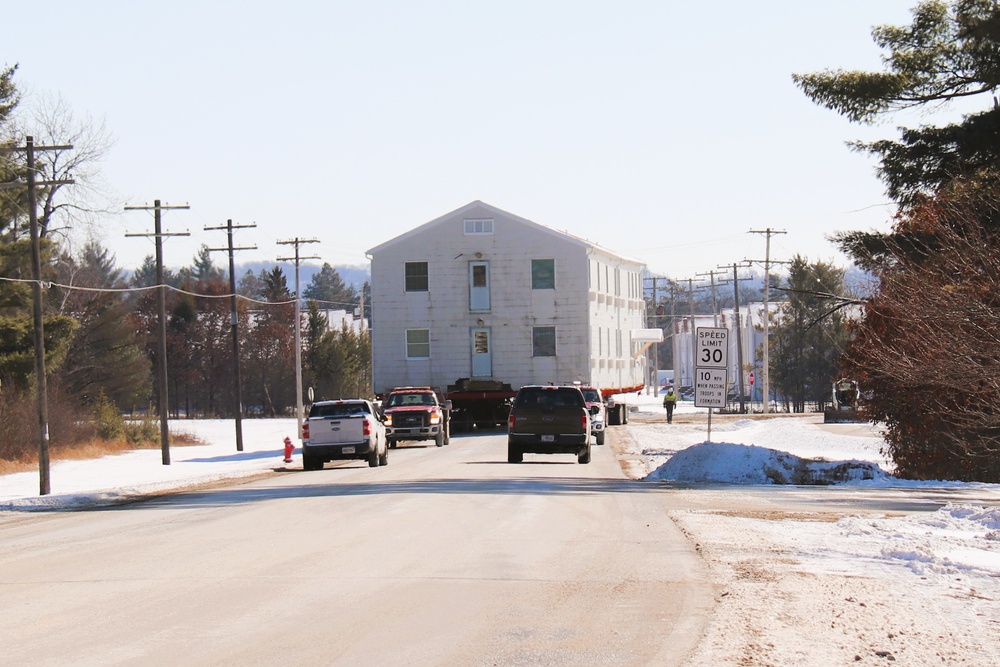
column 711, row 369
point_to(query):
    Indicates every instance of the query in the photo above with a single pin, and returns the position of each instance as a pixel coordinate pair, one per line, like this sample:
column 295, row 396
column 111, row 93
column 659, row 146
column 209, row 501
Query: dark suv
column 547, row 419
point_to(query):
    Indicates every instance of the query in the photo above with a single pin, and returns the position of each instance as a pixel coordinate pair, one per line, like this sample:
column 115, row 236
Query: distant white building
column 338, row 319
column 483, row 294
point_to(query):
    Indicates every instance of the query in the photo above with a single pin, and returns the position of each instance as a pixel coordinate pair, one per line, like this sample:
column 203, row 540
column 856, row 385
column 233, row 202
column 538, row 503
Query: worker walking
column 669, row 403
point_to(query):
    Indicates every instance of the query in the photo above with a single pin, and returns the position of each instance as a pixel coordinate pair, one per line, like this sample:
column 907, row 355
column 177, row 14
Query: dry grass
column 93, row 449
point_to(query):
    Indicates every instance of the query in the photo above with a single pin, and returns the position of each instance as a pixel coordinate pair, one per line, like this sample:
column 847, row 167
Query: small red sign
column 751, row 378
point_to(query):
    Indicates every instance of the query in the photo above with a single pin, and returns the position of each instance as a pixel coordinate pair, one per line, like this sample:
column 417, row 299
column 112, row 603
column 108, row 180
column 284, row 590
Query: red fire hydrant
column 289, row 448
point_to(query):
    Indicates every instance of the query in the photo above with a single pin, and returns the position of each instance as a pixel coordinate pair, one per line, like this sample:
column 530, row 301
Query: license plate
column 347, row 450
column 548, row 438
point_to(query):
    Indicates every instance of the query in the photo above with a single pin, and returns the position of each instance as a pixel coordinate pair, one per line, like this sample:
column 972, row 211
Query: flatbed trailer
column 617, row 411
column 479, row 404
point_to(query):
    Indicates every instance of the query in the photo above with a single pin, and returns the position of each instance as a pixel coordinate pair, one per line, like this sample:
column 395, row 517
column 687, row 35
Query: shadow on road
column 700, row 497
column 520, row 486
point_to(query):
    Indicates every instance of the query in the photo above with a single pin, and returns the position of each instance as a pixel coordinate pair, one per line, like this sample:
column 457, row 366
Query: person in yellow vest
column 669, row 403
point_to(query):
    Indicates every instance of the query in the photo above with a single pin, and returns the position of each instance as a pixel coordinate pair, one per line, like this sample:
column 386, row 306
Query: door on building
column 479, row 286
column 482, row 355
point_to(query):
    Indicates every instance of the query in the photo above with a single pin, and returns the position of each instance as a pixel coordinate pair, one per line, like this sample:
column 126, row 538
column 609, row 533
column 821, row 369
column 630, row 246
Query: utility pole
column 673, row 334
column 766, row 370
column 654, row 380
column 694, row 339
column 369, row 375
column 234, row 322
column 654, row 350
column 161, row 301
column 739, row 336
column 715, row 306
column 41, row 388
column 298, row 324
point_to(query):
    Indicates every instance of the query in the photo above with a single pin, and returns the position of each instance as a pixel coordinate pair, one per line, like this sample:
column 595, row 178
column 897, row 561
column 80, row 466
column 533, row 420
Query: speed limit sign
column 713, row 347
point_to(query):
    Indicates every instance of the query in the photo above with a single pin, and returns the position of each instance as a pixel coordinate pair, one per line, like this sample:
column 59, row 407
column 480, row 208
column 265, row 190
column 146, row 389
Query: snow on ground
column 117, row 479
column 917, row 584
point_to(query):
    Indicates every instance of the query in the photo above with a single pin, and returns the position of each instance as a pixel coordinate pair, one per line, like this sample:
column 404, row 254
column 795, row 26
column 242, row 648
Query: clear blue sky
column 661, row 130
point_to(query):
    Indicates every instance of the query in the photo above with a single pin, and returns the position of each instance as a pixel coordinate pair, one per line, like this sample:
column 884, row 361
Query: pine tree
column 950, row 51
column 933, row 311
column 106, row 356
column 327, row 288
column 809, row 336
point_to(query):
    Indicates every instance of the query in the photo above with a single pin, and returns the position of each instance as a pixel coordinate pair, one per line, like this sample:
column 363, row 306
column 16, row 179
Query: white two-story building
column 483, row 294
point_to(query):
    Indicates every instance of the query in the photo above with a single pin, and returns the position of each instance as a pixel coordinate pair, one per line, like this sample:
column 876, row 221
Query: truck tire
column 390, row 443
column 600, row 437
column 439, row 438
column 373, row 457
column 613, row 418
column 514, row 454
column 624, row 414
column 584, row 455
column 383, row 458
column 311, row 463
column 447, row 432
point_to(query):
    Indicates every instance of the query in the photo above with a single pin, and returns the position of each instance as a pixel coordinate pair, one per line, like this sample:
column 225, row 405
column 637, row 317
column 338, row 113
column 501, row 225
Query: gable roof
column 566, row 236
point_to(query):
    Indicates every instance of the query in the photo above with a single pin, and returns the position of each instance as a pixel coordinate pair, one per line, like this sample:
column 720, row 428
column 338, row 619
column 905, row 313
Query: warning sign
column 710, row 388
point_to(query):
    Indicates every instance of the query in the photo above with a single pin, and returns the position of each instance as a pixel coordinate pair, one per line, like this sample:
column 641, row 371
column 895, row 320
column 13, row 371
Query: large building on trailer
column 480, row 299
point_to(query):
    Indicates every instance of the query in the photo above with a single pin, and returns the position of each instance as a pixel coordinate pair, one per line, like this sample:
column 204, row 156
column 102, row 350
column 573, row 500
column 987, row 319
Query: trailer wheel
column 612, row 416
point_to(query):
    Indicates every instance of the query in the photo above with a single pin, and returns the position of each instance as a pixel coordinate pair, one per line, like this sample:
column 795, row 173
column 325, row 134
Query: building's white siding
column 597, row 296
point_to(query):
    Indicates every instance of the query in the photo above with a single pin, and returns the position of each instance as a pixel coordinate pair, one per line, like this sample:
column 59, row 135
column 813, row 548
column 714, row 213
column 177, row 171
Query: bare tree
column 51, row 122
column 928, row 347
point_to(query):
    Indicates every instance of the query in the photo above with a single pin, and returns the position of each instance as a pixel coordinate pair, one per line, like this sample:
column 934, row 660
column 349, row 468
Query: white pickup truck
column 343, row 429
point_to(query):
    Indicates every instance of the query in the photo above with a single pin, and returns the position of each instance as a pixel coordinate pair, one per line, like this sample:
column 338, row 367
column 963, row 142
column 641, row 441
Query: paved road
column 447, row 556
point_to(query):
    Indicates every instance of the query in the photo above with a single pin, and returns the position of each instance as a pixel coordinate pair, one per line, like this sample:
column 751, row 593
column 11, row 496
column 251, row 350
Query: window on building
column 418, row 343
column 416, row 276
column 478, row 225
column 543, row 341
column 543, row 274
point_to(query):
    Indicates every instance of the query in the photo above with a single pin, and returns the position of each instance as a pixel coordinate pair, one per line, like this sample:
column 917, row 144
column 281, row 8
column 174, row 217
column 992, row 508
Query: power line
column 48, row 284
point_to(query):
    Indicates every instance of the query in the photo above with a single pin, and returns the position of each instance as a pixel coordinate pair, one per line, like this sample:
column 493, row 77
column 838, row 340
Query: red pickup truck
column 414, row 413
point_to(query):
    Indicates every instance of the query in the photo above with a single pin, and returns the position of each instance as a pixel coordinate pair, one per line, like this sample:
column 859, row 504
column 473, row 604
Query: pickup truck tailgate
column 549, row 422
